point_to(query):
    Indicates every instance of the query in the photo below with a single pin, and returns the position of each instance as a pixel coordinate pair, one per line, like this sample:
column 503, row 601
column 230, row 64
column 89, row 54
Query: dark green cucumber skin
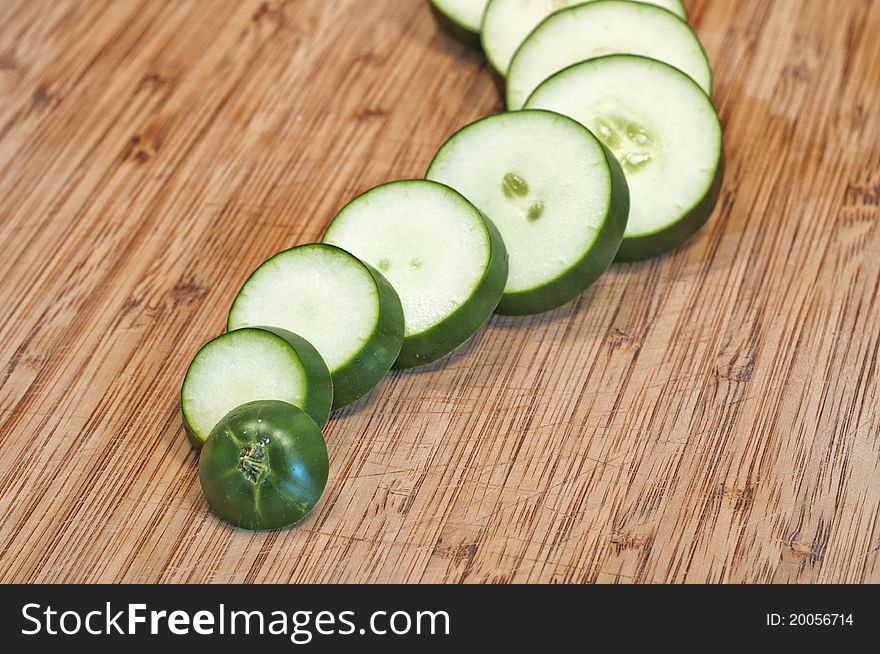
column 590, row 267
column 319, row 396
column 657, row 243
column 361, row 374
column 194, row 440
column 458, row 32
column 298, row 466
column 443, row 338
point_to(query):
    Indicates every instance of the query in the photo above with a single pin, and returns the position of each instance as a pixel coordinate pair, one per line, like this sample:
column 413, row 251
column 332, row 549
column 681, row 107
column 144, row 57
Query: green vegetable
column 556, row 195
column 342, row 306
column 253, row 364
column 264, row 466
column 601, row 28
column 447, row 263
column 662, row 128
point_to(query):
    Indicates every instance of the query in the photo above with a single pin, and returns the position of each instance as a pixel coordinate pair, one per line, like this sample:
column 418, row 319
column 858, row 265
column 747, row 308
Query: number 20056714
column 809, row 619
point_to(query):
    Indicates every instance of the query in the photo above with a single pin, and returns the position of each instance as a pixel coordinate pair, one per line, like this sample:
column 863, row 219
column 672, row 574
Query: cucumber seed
column 513, row 184
column 535, row 211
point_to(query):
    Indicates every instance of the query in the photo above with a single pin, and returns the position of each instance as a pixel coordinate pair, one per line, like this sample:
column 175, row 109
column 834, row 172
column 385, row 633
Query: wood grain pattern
column 708, row 416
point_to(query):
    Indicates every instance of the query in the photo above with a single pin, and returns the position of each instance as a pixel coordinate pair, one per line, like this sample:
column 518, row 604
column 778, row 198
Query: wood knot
column 140, row 148
column 799, row 73
column 803, row 552
column 621, row 339
column 151, row 82
column 630, row 540
column 736, row 368
column 266, row 13
column 131, row 304
column 464, row 552
column 369, row 113
column 740, row 496
column 186, row 291
column 43, row 97
column 370, row 58
column 862, row 195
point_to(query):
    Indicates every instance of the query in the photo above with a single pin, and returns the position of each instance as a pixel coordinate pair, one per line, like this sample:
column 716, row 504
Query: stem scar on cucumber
column 447, row 262
column 666, row 134
column 253, row 364
column 599, row 28
column 341, row 305
column 557, row 196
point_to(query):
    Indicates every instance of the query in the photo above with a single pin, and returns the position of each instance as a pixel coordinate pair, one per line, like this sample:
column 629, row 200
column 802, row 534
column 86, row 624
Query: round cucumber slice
column 446, row 262
column 253, row 364
column 663, row 129
column 507, row 23
column 555, row 193
column 464, row 14
column 344, row 307
column 600, row 28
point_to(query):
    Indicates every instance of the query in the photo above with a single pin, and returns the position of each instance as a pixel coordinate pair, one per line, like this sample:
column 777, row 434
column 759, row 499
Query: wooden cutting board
column 709, row 416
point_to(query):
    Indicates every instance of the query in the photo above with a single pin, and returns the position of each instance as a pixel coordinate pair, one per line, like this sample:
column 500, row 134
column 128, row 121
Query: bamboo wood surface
column 711, row 415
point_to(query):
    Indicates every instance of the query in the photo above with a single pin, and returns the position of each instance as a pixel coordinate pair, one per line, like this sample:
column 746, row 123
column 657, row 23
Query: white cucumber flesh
column 448, row 265
column 252, row 364
column 507, row 23
column 555, row 194
column 600, row 28
column 664, row 131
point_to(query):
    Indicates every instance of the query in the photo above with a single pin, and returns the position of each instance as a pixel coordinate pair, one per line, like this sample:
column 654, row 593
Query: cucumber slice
column 666, row 134
column 555, row 193
column 507, row 23
column 463, row 15
column 344, row 307
column 253, row 364
column 600, row 28
column 446, row 262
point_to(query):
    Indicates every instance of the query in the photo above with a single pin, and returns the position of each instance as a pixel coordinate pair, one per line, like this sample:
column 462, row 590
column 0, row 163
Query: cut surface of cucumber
column 664, row 131
column 556, row 195
column 465, row 14
column 448, row 265
column 342, row 306
column 601, row 28
column 507, row 23
column 253, row 364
